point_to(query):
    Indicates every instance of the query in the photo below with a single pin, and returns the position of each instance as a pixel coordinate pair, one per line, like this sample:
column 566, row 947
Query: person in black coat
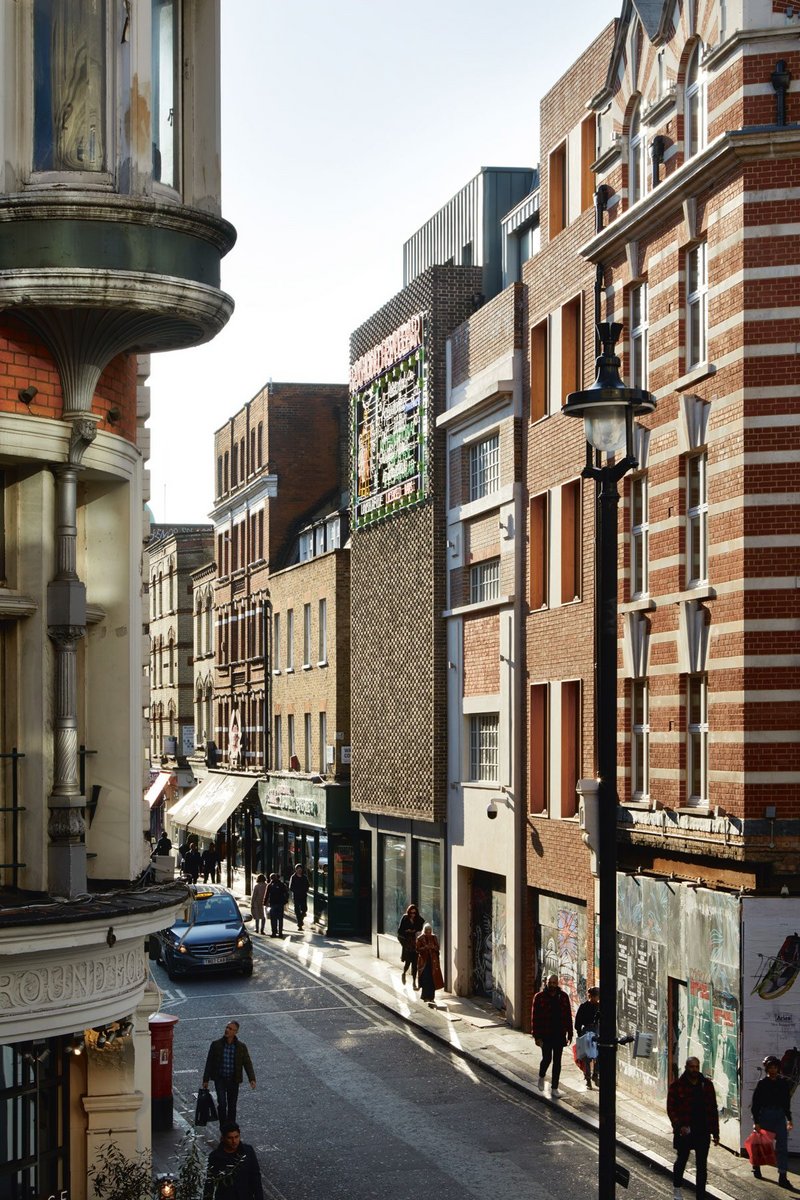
column 210, row 864
column 275, row 899
column 771, row 1110
column 410, row 925
column 587, row 1020
column 298, row 886
column 233, row 1172
column 163, row 845
column 192, row 862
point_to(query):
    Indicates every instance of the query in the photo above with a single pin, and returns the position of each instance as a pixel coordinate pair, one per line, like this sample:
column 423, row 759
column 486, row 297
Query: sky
column 346, row 124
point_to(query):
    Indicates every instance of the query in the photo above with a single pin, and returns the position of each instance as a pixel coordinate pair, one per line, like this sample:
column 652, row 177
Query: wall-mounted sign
column 345, row 754
column 187, row 739
column 235, row 738
column 389, row 413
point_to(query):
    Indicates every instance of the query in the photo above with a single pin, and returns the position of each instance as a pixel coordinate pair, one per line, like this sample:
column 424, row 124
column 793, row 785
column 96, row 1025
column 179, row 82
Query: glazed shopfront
column 310, row 824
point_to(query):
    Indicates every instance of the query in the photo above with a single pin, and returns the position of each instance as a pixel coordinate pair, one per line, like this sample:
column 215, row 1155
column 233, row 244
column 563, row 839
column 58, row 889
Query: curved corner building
column 110, row 248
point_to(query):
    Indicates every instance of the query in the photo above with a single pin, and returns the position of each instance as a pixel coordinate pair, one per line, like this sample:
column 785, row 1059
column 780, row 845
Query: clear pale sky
column 345, row 125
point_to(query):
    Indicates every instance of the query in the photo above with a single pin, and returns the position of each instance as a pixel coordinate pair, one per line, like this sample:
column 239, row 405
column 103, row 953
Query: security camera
column 491, row 810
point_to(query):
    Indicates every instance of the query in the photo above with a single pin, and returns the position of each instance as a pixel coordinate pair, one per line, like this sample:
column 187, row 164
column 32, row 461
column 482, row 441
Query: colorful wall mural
column 562, row 945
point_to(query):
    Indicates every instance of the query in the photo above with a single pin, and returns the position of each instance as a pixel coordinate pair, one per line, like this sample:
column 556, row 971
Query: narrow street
column 352, row 1102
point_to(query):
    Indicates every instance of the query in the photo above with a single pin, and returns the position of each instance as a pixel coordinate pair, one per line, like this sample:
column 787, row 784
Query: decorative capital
column 84, row 431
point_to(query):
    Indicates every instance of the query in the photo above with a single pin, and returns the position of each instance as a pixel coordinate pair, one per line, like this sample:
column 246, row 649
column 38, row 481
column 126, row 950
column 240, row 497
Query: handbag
column 760, row 1147
column 205, row 1109
column 587, row 1045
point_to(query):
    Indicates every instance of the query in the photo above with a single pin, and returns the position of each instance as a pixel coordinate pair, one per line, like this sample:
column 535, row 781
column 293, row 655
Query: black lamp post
column 608, row 408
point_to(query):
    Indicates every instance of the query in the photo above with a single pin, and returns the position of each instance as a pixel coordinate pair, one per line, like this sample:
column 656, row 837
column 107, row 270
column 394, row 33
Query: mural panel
column 562, row 945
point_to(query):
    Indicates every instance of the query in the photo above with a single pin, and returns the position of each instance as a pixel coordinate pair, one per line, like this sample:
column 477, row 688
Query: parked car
column 210, row 936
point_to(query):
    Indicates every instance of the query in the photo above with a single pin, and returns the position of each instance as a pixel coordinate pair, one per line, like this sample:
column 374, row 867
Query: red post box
column 162, row 1029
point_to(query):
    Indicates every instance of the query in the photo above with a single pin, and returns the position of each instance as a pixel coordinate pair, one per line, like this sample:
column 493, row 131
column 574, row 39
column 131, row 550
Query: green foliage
column 116, row 1176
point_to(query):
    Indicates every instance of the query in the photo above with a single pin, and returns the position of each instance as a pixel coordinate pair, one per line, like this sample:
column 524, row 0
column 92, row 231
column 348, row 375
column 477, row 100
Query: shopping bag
column 587, row 1045
column 205, row 1109
column 760, row 1147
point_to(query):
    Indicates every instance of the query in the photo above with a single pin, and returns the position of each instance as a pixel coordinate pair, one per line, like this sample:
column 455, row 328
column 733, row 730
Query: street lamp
column 607, row 408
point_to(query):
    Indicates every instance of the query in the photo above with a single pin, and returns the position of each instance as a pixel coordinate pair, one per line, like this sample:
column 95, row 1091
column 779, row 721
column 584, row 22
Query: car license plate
column 219, row 958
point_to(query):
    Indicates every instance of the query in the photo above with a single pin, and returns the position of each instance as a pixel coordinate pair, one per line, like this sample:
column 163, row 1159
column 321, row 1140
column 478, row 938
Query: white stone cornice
column 650, row 213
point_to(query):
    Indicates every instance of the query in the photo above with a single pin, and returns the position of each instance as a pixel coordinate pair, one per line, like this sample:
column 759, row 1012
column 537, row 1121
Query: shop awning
column 221, row 796
column 185, row 808
column 157, row 787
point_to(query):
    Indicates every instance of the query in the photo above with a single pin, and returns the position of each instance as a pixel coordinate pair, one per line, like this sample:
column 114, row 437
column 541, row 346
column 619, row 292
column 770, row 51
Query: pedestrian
column 551, row 1028
column 771, row 1109
column 277, row 895
column 227, row 1061
column 233, row 1172
column 692, row 1109
column 428, row 967
column 192, row 862
column 209, row 859
column 587, row 1020
column 164, row 844
column 410, row 926
column 298, row 886
column 257, row 902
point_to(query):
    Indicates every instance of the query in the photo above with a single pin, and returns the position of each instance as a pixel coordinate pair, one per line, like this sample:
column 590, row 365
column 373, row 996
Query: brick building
column 696, row 159
column 111, row 241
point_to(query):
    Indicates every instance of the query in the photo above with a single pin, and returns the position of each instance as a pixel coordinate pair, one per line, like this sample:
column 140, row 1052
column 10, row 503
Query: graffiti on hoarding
column 562, row 945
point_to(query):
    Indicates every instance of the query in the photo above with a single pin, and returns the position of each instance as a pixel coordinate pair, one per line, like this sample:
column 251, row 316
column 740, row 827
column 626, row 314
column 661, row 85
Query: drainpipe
column 780, row 79
column 66, row 626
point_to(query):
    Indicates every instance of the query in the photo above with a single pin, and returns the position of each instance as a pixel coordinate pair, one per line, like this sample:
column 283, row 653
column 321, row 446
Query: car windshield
column 214, row 910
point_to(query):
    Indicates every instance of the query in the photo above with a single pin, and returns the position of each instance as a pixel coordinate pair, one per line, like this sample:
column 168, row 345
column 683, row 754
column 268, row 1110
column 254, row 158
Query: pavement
column 476, row 1032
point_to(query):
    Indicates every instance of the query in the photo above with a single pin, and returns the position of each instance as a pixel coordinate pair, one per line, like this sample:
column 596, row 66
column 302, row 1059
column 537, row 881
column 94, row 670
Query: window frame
column 484, row 581
column 483, row 756
column 484, row 467
column 322, row 631
column 638, row 326
column 696, row 305
column 306, row 637
column 640, row 536
column 637, row 156
column 290, row 639
column 697, row 742
column 695, row 132
column 175, row 118
column 697, row 520
column 640, row 742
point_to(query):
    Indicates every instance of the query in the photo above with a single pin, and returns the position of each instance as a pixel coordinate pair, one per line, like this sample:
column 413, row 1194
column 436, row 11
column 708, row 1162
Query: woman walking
column 771, row 1110
column 257, row 903
column 430, row 971
column 410, row 925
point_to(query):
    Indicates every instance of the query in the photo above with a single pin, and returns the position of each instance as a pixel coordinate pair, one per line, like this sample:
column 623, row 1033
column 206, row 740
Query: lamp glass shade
column 605, row 427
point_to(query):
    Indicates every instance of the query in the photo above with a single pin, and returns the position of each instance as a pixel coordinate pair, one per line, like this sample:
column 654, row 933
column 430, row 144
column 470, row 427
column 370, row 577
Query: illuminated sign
column 389, row 410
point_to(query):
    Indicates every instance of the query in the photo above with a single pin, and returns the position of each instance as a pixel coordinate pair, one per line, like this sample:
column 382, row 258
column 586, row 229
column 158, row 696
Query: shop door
column 489, row 938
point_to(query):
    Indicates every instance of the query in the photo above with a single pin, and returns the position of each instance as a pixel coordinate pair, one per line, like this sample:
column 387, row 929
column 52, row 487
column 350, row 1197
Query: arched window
column 636, row 158
column 694, row 108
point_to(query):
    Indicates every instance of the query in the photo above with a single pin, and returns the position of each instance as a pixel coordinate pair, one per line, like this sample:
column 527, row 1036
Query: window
column 484, row 581
column 484, row 730
column 276, row 641
column 36, row 1118
column 694, row 114
column 219, row 475
column 428, row 876
column 640, row 741
column 696, row 520
column 639, row 535
column 322, row 617
column 260, row 433
column 571, row 348
column 588, row 155
column 277, row 749
column 291, row 746
column 697, row 740
column 570, row 542
column 306, row 635
column 540, row 372
column 539, row 734
column 165, row 92
column 225, row 466
column 570, row 745
column 306, row 545
column 69, row 86
column 484, row 467
column 333, row 533
column 307, row 741
column 557, row 185
column 638, row 328
column 637, row 158
column 696, row 305
column 290, row 639
column 323, row 743
column 394, row 885
column 538, row 551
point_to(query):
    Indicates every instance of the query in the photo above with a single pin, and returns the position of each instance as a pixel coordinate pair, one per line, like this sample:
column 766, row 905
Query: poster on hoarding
column 770, row 993
column 389, row 412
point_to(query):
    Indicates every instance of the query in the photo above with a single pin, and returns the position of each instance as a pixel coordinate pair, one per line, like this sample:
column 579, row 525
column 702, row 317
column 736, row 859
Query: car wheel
column 248, row 970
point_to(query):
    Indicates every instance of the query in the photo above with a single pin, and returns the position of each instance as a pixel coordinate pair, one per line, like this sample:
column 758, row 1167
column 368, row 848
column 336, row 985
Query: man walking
column 227, row 1060
column 692, row 1109
column 298, row 886
column 233, row 1172
column 551, row 1028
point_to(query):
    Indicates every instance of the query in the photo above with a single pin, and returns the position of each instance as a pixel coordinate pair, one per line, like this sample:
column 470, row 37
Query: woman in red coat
column 429, row 971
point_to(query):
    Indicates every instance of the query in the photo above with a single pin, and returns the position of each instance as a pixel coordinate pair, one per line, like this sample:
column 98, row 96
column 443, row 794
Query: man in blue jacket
column 233, row 1172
